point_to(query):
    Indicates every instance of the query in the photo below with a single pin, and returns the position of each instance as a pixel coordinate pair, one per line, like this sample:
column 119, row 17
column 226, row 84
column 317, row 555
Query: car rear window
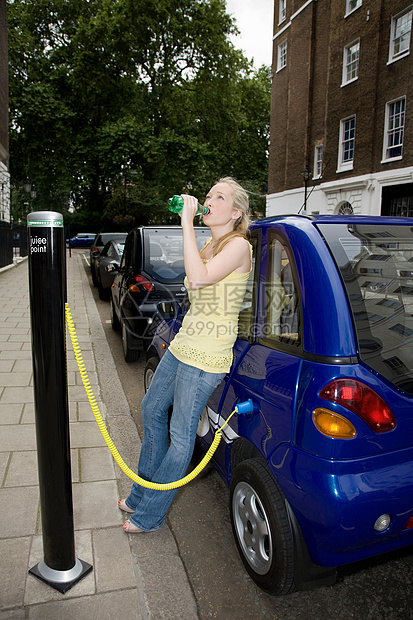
column 104, row 238
column 163, row 252
column 376, row 264
column 113, row 250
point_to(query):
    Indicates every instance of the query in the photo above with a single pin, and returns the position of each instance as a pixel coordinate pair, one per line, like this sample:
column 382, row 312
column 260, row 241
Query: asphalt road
column 380, row 589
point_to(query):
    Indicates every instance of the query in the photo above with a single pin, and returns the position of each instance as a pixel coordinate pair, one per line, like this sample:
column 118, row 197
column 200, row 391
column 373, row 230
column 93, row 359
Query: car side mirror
column 169, row 310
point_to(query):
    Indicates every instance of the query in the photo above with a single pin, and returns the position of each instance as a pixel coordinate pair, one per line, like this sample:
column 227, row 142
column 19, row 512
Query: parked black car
column 99, row 242
column 151, row 271
column 107, row 265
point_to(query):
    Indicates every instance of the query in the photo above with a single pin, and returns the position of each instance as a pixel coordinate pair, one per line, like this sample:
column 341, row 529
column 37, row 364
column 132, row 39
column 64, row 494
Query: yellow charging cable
column 144, row 483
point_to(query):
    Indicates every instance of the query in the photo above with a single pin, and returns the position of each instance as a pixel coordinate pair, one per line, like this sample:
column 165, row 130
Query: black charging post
column 47, row 286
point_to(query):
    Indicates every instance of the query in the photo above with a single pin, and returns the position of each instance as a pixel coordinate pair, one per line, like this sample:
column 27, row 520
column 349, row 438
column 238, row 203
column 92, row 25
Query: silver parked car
column 107, row 266
column 97, row 246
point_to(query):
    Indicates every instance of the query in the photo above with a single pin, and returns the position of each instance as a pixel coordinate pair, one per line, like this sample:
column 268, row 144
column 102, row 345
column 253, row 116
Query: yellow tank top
column 209, row 329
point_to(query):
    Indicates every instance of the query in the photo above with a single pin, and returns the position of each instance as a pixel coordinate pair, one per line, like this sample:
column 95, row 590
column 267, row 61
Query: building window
column 352, row 5
column 346, row 147
column 351, row 62
column 345, row 208
column 318, row 162
column 282, row 56
column 282, row 11
column 401, row 26
column 394, row 129
column 402, row 207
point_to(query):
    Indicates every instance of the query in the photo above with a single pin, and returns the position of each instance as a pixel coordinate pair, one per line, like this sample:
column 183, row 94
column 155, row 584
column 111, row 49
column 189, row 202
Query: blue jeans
column 188, row 389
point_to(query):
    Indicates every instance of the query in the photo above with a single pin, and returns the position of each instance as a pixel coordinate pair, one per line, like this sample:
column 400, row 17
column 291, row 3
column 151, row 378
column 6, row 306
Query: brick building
column 342, row 107
column 4, row 118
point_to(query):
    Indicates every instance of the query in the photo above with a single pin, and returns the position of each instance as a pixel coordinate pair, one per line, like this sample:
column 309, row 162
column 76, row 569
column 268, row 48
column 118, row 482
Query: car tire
column 261, row 527
column 113, row 317
column 150, row 367
column 130, row 355
column 103, row 294
column 93, row 272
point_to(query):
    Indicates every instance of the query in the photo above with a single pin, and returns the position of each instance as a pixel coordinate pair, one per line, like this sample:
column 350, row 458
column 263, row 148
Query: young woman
column 199, row 356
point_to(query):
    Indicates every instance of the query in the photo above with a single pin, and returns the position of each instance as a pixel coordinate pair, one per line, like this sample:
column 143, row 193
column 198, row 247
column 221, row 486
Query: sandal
column 124, row 507
column 130, row 528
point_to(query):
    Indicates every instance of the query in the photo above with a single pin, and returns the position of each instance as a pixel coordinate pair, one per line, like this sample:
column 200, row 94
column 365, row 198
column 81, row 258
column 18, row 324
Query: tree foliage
column 117, row 104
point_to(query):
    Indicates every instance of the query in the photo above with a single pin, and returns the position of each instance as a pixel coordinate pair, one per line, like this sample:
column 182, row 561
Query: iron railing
column 13, row 243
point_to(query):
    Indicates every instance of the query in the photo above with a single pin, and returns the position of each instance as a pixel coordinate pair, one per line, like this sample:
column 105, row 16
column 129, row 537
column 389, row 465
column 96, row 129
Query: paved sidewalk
column 136, row 577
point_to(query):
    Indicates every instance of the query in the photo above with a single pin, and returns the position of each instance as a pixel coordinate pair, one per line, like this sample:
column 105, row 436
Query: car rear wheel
column 151, row 366
column 113, row 317
column 103, row 293
column 262, row 528
column 130, row 355
column 94, row 280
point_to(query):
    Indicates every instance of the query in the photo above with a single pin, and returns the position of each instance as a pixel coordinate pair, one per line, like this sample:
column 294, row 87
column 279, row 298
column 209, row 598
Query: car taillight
column 94, row 250
column 140, row 281
column 363, row 401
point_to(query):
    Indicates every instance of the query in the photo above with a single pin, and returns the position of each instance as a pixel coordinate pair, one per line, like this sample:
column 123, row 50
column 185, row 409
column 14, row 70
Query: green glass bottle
column 176, row 204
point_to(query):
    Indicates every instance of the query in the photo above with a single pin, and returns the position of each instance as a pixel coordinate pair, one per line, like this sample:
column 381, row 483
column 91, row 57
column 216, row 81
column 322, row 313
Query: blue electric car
column 321, row 473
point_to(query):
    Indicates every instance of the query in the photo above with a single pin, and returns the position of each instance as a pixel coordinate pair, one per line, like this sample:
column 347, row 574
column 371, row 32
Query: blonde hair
column 241, row 203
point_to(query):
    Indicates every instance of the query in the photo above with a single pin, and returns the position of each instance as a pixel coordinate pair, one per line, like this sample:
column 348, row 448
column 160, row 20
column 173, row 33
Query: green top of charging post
column 50, row 219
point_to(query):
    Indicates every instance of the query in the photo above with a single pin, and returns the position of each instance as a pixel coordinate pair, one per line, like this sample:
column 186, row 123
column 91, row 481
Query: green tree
column 115, row 105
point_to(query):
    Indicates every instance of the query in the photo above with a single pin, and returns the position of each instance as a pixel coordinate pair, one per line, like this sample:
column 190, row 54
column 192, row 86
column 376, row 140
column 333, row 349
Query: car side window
column 130, row 244
column 111, row 251
column 246, row 320
column 282, row 301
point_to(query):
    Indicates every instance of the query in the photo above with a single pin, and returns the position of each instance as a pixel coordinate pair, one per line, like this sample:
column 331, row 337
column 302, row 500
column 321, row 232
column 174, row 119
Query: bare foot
column 124, row 507
column 130, row 528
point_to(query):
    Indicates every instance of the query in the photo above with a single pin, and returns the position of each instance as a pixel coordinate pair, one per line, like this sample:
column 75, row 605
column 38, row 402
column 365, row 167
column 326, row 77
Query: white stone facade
column 363, row 194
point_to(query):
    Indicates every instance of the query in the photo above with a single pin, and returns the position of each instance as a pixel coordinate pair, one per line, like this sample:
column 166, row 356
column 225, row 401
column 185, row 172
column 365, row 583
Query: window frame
column 395, row 56
column 345, row 79
column 349, row 9
column 282, row 55
column 387, row 131
column 282, row 11
column 281, row 342
column 318, row 161
column 349, row 164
